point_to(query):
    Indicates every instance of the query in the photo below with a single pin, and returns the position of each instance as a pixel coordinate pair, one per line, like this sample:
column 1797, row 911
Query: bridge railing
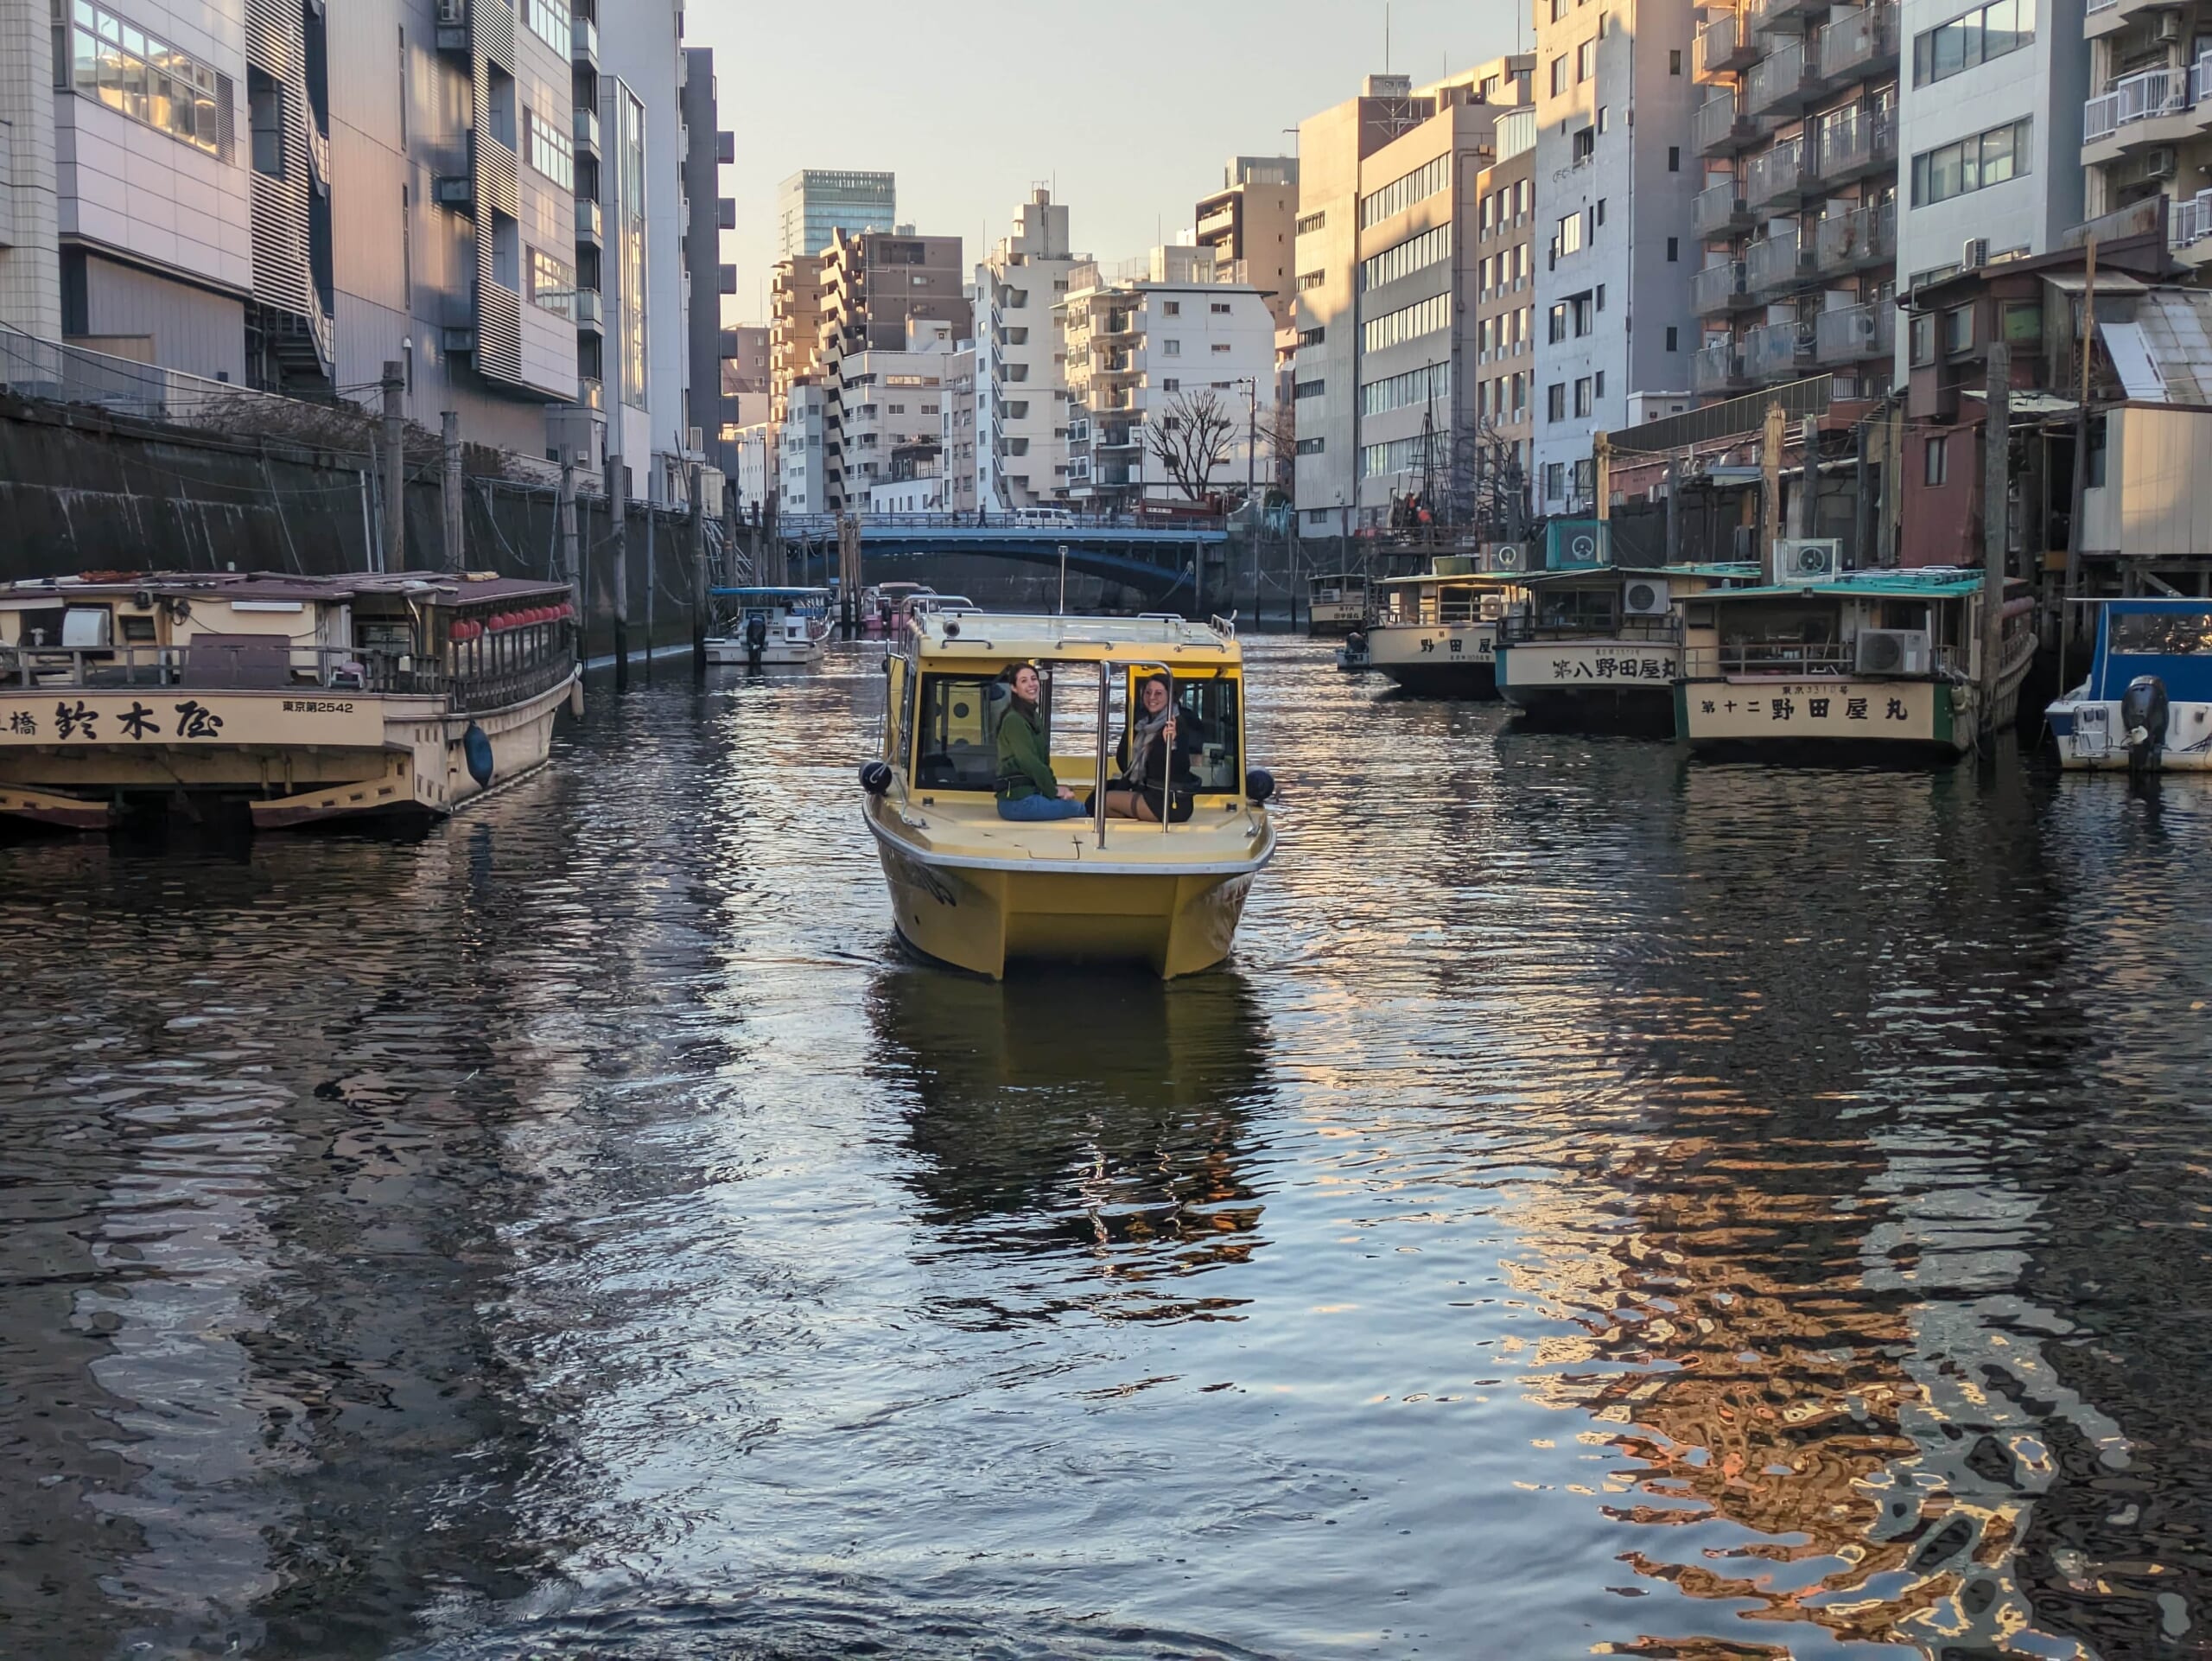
column 825, row 525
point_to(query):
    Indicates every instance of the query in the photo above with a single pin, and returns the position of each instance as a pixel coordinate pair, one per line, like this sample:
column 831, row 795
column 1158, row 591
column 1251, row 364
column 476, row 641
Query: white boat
column 1335, row 603
column 768, row 628
column 1436, row 636
column 2147, row 703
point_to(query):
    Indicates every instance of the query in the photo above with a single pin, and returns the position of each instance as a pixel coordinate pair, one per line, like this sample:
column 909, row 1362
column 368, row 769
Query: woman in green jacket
column 1026, row 789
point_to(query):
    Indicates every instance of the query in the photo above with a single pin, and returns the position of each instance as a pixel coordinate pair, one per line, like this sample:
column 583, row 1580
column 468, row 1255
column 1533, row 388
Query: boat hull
column 1333, row 620
column 980, row 919
column 1826, row 720
column 1437, row 659
column 777, row 654
column 2091, row 737
column 1612, row 686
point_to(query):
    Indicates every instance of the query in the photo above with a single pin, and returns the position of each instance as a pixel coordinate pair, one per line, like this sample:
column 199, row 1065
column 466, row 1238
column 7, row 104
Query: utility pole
column 698, row 577
column 1674, row 510
column 618, row 520
column 395, row 469
column 1251, row 502
column 1861, row 509
column 450, row 494
column 1995, row 521
column 1771, row 489
column 2069, row 611
column 566, row 521
column 1808, row 514
column 1601, row 473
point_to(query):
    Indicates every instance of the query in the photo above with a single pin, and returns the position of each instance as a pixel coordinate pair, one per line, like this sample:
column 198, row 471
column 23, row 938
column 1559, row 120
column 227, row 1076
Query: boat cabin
column 1601, row 645
column 2147, row 702
column 1335, row 603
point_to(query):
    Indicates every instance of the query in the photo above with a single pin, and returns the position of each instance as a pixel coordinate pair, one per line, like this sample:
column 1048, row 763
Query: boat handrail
column 479, row 679
column 1106, row 668
column 1515, row 628
column 1825, row 661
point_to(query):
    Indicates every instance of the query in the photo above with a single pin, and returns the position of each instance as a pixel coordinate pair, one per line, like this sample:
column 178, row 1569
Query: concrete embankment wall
column 82, row 490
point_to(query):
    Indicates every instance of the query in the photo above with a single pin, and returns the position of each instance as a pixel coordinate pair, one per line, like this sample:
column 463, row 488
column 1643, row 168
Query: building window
column 1586, row 63
column 1395, row 328
column 1312, row 336
column 1991, row 32
column 1312, row 222
column 1414, row 254
column 1555, row 401
column 1556, row 318
column 1172, row 307
column 1674, row 158
column 552, row 152
column 1674, row 249
column 1569, row 238
column 131, row 71
column 1674, row 60
column 1424, row 386
column 1580, row 308
column 1958, row 328
column 1971, row 164
column 1585, row 145
column 1308, row 281
column 1558, row 76
column 1923, row 338
column 1581, row 397
column 1171, row 348
column 1598, row 384
column 548, row 20
column 1220, row 347
column 1403, row 193
column 1937, row 467
column 1219, row 308
column 1402, row 455
column 1554, row 481
column 1309, row 389
column 1312, row 446
column 1604, row 117
column 1672, row 334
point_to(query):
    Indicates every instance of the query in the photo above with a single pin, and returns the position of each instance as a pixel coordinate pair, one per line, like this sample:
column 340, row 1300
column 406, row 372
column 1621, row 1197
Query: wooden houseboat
column 301, row 698
column 1871, row 663
column 1336, row 604
column 1436, row 635
column 1598, row 649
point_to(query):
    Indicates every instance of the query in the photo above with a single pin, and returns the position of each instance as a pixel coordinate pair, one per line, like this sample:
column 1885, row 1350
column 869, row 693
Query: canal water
column 1611, row 1205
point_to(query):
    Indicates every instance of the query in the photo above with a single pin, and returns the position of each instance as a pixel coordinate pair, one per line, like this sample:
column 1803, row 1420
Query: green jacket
column 1024, row 768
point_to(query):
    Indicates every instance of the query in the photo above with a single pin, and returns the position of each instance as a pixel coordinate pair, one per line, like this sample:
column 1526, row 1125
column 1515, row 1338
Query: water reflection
column 1108, row 1116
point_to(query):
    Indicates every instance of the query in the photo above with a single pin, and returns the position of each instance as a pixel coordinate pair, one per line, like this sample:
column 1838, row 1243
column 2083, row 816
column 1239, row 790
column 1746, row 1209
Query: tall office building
column 1616, row 332
column 1397, row 329
column 875, row 290
column 1250, row 224
column 1020, row 376
column 814, row 205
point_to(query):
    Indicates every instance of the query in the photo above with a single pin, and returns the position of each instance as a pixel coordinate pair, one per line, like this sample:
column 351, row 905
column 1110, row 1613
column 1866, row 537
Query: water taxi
column 768, row 628
column 1336, row 604
column 2147, row 703
column 1437, row 634
column 1871, row 664
column 299, row 698
column 974, row 890
column 1598, row 649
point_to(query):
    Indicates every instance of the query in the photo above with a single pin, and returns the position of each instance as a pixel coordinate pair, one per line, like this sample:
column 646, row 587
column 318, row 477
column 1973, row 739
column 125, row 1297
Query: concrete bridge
column 1158, row 560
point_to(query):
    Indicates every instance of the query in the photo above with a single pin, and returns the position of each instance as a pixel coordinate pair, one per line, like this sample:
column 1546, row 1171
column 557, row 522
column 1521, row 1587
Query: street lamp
column 1063, row 580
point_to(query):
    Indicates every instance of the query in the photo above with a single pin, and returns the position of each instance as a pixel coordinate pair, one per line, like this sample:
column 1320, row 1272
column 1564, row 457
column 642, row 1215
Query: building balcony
column 590, row 313
column 1720, row 288
column 583, row 43
column 591, row 392
column 1720, row 127
column 1719, row 209
column 1777, row 263
column 2189, row 226
column 1855, row 240
column 1852, row 149
column 1778, row 352
column 1725, row 43
column 589, row 231
column 1856, row 45
column 2147, row 96
column 587, row 132
column 1717, row 367
column 1779, row 176
column 1775, row 14
column 1781, row 83
column 1855, row 334
column 453, row 27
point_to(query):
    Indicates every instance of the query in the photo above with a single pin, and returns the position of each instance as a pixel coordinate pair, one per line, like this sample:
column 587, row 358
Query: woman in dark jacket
column 1156, row 749
column 1026, row 789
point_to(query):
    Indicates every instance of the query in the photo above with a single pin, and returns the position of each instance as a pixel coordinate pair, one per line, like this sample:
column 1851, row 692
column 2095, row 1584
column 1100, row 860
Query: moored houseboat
column 300, row 699
column 1335, row 603
column 1598, row 649
column 1871, row 663
column 973, row 889
column 2147, row 703
column 1436, row 635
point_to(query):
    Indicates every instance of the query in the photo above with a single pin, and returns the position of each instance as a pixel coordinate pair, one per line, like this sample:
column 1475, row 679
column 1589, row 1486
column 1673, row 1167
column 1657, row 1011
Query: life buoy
column 476, row 751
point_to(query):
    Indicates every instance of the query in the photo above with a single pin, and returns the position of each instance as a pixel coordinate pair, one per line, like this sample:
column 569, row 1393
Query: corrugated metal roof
column 2172, row 330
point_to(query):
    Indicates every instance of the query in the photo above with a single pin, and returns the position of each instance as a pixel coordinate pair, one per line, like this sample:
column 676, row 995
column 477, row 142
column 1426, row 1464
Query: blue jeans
column 1036, row 810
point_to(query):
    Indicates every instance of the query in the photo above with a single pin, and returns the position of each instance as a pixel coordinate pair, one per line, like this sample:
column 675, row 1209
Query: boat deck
column 966, row 831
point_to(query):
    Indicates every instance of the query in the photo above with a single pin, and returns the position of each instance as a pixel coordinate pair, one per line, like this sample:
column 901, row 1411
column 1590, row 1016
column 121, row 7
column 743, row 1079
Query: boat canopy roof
column 2171, row 639
column 1602, row 576
column 419, row 588
column 769, row 594
column 1932, row 582
column 997, row 638
column 1461, row 580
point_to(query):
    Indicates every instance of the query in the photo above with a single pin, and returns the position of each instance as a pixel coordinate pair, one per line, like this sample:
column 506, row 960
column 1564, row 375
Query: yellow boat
column 976, row 891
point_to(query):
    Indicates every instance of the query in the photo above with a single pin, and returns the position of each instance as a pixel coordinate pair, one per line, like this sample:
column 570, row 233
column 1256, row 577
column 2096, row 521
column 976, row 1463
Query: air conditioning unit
column 1492, row 608
column 1646, row 597
column 1807, row 560
column 1894, row 652
column 1974, row 255
column 2158, row 161
column 2169, row 28
column 452, row 11
column 1509, row 556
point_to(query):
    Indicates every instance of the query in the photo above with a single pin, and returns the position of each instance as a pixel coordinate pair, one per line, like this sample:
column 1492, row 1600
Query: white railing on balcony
column 2190, row 221
column 1853, row 39
column 2200, row 80
column 1716, row 286
column 2102, row 5
column 1776, row 350
column 1777, row 172
column 1716, row 366
column 1715, row 123
column 1855, row 334
column 1772, row 262
column 2135, row 97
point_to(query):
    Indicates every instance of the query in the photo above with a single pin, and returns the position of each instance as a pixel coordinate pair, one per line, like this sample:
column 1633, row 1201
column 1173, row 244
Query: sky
column 1129, row 109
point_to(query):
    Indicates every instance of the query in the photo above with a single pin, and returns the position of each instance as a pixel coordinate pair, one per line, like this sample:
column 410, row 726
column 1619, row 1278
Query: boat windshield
column 958, row 716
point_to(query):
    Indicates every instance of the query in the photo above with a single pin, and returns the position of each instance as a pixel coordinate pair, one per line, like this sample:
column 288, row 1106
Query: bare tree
column 1279, row 432
column 1190, row 439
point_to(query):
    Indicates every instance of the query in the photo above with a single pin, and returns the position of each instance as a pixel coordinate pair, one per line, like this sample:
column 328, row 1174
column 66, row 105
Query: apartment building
column 875, row 289
column 1251, row 225
column 794, row 327
column 957, row 432
column 2146, row 121
column 802, row 479
column 1503, row 215
column 1145, row 345
column 1616, row 168
column 1020, row 384
column 1797, row 208
column 890, row 414
column 1389, row 258
column 812, row 206
column 753, row 472
column 745, row 359
column 707, row 148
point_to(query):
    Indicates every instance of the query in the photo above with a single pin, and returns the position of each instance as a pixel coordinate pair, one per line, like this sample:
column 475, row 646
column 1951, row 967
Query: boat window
column 959, row 738
column 1211, row 705
column 1580, row 610
column 2165, row 634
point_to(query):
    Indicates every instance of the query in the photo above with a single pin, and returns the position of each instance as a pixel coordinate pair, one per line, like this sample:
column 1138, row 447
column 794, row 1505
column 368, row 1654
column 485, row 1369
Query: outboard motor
column 756, row 640
column 2143, row 717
